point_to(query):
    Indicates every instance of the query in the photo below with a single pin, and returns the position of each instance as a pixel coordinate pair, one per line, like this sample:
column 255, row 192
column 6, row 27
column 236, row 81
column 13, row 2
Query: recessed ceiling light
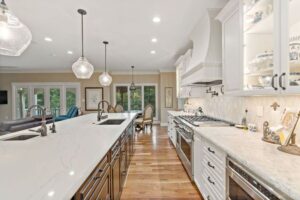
column 156, row 19
column 70, row 52
column 154, row 40
column 48, row 39
column 153, row 52
column 71, row 173
column 51, row 193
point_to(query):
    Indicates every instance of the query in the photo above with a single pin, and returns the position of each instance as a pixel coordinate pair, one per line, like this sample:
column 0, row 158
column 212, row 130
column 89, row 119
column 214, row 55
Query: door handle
column 273, row 81
column 280, row 81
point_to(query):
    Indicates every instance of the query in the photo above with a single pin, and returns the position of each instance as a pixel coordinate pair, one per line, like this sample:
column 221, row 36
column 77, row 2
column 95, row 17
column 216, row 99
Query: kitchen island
column 56, row 166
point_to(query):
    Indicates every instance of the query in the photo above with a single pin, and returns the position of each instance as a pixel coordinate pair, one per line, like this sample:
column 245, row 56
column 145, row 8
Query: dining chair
column 119, row 108
column 147, row 118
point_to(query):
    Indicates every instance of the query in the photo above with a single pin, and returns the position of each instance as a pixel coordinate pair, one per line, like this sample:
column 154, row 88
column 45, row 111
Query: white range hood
column 205, row 67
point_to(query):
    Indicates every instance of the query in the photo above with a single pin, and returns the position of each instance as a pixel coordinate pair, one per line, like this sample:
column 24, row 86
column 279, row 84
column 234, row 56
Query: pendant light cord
column 3, row 4
column 105, row 59
column 82, row 50
column 132, row 73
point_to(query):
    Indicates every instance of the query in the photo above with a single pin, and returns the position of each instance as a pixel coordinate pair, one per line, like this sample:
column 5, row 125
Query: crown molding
column 40, row 71
column 135, row 72
column 167, row 70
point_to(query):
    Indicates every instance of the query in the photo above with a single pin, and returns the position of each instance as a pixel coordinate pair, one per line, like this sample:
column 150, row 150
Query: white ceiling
column 126, row 24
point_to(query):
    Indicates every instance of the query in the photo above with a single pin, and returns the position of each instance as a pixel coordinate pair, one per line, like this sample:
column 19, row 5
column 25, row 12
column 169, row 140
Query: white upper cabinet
column 267, row 61
column 260, row 45
column 181, row 66
column 231, row 56
column 289, row 78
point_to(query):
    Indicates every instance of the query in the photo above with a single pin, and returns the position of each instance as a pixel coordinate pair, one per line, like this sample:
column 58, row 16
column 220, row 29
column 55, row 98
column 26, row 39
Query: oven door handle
column 247, row 187
column 185, row 138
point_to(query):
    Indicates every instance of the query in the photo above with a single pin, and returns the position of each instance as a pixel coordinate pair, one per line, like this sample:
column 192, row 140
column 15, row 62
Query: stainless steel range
column 185, row 136
column 204, row 120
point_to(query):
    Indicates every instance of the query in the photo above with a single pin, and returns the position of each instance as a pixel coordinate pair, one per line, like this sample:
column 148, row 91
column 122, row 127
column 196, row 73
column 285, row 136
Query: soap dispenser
column 244, row 119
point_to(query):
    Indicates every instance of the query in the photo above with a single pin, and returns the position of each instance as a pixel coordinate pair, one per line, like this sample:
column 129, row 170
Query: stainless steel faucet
column 212, row 92
column 43, row 129
column 100, row 110
column 199, row 111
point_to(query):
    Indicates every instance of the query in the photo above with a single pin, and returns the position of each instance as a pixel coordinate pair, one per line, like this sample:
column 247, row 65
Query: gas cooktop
column 204, row 120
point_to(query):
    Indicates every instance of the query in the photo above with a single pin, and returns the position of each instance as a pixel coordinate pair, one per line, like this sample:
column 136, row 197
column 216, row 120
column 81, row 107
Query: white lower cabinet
column 171, row 129
column 209, row 169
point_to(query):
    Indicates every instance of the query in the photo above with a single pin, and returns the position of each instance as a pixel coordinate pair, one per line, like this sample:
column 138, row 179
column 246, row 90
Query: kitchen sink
column 20, row 137
column 112, row 122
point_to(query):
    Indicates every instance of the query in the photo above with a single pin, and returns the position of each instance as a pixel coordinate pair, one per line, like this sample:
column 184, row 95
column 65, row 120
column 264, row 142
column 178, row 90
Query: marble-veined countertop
column 280, row 170
column 55, row 166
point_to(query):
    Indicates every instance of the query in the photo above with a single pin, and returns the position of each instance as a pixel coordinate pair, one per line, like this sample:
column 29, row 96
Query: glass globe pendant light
column 82, row 68
column 132, row 86
column 105, row 79
column 15, row 37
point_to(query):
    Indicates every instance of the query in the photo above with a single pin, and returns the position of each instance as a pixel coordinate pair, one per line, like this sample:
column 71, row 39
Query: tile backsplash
column 233, row 108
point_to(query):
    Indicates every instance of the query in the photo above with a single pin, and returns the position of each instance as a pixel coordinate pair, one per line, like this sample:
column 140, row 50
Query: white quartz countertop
column 178, row 113
column 278, row 169
column 54, row 167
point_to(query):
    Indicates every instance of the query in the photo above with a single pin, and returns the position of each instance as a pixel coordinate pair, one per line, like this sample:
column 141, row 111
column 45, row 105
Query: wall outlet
column 260, row 111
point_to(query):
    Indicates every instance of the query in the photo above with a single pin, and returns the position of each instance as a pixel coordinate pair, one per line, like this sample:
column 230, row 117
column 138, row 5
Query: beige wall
column 167, row 79
column 7, row 79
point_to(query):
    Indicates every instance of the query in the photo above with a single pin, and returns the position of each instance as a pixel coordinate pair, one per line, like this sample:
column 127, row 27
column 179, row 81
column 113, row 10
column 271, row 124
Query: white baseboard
column 156, row 122
column 163, row 124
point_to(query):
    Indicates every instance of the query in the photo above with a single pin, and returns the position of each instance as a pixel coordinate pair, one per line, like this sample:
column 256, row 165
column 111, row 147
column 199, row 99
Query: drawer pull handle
column 211, row 151
column 209, row 180
column 99, row 174
column 210, row 165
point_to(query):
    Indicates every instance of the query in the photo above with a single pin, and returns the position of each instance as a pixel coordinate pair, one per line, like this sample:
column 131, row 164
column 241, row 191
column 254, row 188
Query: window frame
column 129, row 93
column 46, row 86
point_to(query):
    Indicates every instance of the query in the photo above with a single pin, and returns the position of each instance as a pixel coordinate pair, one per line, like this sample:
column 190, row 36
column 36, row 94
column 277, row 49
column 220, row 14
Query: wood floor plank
column 156, row 172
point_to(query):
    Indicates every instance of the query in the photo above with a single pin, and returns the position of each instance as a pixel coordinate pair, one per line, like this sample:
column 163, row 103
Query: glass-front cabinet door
column 260, row 45
column 289, row 79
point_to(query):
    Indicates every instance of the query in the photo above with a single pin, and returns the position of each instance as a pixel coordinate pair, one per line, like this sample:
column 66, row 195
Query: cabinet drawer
column 87, row 189
column 102, row 191
column 115, row 149
column 214, row 168
column 215, row 189
column 213, row 151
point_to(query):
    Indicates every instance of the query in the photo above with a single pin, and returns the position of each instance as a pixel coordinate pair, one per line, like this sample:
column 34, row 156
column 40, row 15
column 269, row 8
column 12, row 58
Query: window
column 57, row 98
column 55, row 101
column 22, row 102
column 122, row 96
column 136, row 100
column 150, row 97
column 70, row 98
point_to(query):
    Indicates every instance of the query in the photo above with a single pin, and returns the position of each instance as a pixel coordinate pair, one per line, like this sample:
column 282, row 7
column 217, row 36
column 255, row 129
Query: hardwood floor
column 155, row 171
